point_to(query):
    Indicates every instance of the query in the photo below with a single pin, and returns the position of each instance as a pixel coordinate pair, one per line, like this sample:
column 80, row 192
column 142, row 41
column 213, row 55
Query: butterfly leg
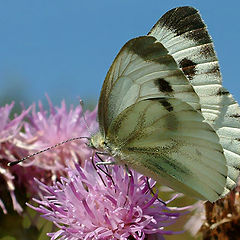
column 102, row 161
column 98, row 164
column 151, row 190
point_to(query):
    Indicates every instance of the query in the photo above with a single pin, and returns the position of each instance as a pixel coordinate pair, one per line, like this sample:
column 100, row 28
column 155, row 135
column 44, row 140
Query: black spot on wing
column 186, row 63
column 167, row 105
column 222, row 92
column 236, row 115
column 163, row 85
column 207, row 51
column 236, row 167
column 188, row 67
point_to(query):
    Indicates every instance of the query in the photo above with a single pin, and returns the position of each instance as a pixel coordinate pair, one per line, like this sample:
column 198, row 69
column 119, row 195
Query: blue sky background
column 64, row 48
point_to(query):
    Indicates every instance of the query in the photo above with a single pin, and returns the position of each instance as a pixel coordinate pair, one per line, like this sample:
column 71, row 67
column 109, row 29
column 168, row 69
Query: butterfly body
column 163, row 110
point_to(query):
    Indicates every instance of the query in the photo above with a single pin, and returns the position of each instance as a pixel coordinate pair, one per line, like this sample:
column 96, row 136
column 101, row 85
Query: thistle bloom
column 9, row 129
column 89, row 204
column 42, row 130
column 47, row 129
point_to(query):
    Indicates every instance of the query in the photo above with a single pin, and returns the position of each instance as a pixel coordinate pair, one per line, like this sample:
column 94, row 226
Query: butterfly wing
column 143, row 69
column 168, row 140
column 185, row 36
column 183, row 33
column 227, row 126
column 176, row 60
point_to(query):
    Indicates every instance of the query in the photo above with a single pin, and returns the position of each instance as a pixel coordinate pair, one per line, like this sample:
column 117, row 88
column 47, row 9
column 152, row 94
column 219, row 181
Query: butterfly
column 163, row 111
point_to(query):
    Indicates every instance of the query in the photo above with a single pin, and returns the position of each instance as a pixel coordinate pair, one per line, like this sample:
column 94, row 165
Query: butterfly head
column 97, row 141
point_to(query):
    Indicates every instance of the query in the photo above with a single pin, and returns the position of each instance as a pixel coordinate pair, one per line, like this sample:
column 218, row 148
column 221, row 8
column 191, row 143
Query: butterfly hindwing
column 169, row 140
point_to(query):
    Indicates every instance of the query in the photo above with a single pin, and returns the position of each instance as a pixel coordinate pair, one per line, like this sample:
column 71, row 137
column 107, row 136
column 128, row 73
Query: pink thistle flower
column 42, row 130
column 89, row 204
column 9, row 129
column 47, row 129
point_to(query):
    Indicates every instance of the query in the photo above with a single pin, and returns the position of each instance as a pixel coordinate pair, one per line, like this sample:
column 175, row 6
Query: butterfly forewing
column 167, row 137
column 183, row 33
column 143, row 69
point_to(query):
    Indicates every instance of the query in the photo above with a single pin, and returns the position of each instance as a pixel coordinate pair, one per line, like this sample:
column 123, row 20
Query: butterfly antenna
column 83, row 115
column 44, row 150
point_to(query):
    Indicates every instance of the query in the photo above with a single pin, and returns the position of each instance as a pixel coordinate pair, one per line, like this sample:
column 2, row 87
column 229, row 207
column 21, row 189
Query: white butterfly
column 163, row 110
